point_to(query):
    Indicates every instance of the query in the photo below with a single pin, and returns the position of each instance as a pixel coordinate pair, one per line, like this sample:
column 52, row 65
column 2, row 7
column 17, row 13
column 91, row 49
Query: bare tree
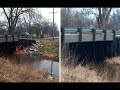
column 102, row 17
column 81, row 17
column 38, row 21
column 66, row 17
column 12, row 15
column 76, row 17
column 114, row 22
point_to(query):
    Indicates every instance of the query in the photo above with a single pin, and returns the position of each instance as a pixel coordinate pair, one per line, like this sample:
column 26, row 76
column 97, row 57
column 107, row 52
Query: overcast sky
column 46, row 14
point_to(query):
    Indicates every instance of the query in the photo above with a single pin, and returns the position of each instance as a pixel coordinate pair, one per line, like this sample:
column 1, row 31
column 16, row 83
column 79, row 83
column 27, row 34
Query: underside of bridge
column 94, row 51
column 8, row 48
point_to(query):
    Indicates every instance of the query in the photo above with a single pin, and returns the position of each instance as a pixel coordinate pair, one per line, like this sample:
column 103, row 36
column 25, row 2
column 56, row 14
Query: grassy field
column 12, row 72
column 108, row 71
column 50, row 48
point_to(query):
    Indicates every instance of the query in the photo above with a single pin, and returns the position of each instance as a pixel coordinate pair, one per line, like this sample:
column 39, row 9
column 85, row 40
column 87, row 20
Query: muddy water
column 36, row 62
column 51, row 67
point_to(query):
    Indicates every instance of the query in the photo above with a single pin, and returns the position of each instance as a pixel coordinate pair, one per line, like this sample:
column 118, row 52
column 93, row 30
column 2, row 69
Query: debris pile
column 34, row 49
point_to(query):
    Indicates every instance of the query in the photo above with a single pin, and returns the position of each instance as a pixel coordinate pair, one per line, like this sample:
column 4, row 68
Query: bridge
column 8, row 43
column 90, row 44
column 87, row 35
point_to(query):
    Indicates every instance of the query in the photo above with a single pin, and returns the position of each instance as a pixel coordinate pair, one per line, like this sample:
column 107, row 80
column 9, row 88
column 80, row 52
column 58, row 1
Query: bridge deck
column 11, row 38
column 87, row 35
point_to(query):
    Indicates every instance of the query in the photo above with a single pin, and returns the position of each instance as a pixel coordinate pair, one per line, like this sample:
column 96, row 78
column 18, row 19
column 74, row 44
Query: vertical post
column 13, row 38
column 18, row 37
column 62, row 35
column 51, row 67
column 114, row 43
column 53, row 24
column 6, row 36
column 80, row 34
column 105, row 34
column 113, row 34
column 94, row 32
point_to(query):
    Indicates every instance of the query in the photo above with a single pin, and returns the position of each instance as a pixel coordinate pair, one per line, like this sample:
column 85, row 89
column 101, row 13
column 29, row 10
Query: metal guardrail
column 67, row 30
column 11, row 38
column 67, row 33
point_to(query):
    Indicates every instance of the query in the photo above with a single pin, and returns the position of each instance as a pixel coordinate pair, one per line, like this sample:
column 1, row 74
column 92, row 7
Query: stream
column 36, row 62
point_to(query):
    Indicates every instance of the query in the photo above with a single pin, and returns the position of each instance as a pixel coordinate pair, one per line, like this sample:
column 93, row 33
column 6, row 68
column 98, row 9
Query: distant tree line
column 101, row 18
column 20, row 20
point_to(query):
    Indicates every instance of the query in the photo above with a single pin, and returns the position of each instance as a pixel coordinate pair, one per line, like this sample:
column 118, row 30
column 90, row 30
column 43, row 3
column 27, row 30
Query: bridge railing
column 10, row 38
column 85, row 35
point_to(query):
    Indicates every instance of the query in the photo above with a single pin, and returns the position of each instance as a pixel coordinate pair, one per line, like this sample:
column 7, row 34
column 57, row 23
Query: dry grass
column 108, row 72
column 113, row 61
column 12, row 72
column 79, row 74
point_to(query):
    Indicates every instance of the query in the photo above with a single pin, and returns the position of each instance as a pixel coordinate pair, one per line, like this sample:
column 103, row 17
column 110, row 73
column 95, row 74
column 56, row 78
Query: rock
column 41, row 45
column 30, row 52
column 50, row 77
column 31, row 49
column 35, row 49
column 37, row 41
column 40, row 53
column 25, row 51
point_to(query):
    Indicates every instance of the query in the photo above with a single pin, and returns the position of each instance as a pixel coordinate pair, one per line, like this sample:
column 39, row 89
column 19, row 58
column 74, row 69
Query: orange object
column 17, row 48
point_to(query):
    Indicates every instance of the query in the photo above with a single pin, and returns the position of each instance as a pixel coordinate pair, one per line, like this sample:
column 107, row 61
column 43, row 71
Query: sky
column 46, row 14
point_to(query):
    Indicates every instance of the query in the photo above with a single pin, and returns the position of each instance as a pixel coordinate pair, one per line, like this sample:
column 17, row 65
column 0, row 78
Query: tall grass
column 13, row 72
column 107, row 71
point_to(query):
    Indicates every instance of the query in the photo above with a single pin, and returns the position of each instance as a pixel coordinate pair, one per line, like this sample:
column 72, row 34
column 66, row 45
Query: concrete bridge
column 87, row 35
column 90, row 44
column 8, row 43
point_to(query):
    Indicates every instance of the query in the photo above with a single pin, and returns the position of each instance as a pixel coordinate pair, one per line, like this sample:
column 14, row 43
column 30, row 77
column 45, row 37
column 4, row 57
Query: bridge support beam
column 94, row 51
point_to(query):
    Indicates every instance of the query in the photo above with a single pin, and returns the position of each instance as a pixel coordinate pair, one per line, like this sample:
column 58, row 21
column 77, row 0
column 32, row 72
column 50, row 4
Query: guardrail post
column 13, row 38
column 113, row 34
column 105, row 34
column 80, row 34
column 6, row 36
column 18, row 37
column 62, row 35
column 94, row 32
